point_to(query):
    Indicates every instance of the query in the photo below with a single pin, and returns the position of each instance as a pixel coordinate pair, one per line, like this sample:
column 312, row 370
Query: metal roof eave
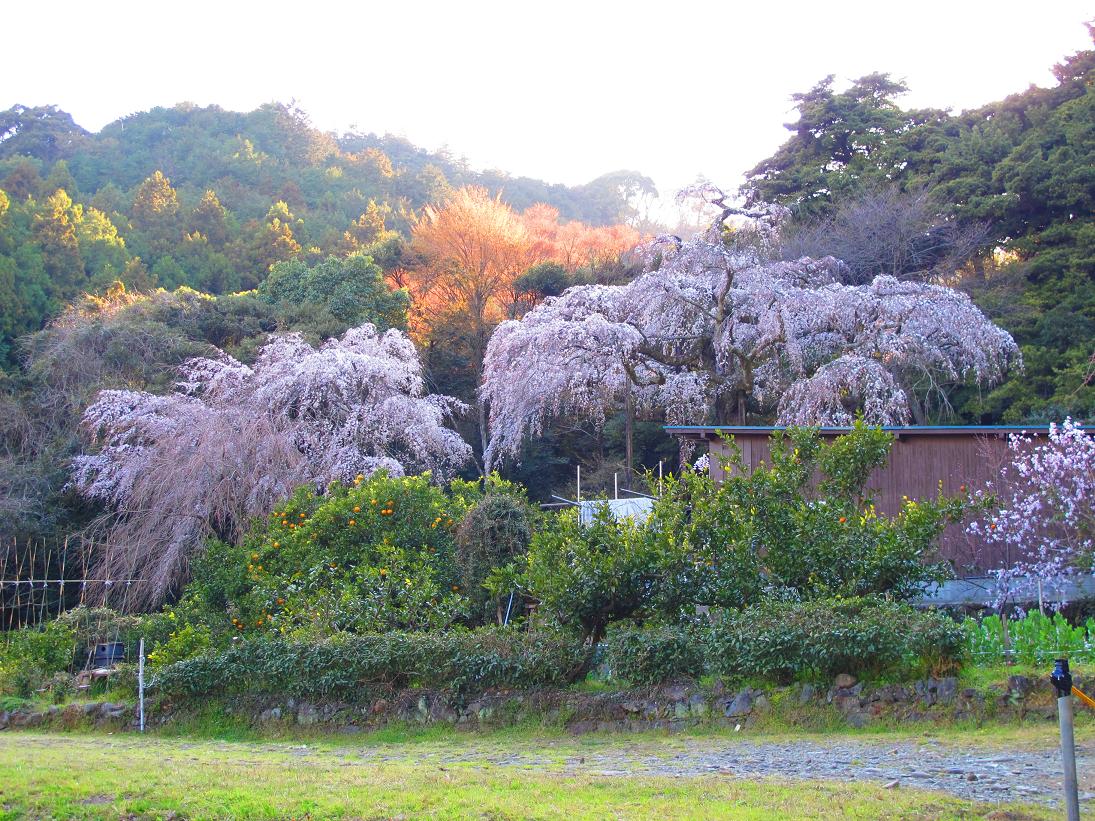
column 709, row 431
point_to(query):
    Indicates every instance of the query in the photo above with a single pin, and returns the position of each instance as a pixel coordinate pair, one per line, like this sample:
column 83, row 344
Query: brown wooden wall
column 918, row 461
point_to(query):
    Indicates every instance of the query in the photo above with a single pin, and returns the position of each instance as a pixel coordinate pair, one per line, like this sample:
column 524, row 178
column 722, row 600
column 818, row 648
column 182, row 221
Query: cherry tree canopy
column 234, row 439
column 710, row 327
column 1044, row 513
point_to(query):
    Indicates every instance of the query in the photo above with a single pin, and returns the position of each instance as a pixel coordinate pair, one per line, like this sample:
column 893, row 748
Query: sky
column 563, row 91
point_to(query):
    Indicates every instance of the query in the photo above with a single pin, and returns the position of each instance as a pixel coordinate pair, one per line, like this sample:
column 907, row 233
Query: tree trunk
column 1008, row 658
column 583, row 668
column 483, row 434
column 629, row 436
column 916, row 408
column 726, row 408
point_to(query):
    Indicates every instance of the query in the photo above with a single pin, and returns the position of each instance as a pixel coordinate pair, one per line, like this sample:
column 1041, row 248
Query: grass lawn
column 75, row 775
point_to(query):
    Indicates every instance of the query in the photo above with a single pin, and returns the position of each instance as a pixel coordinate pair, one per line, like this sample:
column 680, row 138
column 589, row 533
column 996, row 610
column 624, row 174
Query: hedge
column 465, row 662
column 655, row 655
column 783, row 640
column 780, row 641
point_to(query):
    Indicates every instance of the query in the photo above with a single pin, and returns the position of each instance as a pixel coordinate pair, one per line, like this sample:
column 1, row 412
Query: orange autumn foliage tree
column 470, row 250
column 466, row 256
column 574, row 244
column 468, row 253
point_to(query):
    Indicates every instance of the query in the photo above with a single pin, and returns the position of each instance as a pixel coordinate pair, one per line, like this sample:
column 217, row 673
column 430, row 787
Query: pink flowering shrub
column 1045, row 512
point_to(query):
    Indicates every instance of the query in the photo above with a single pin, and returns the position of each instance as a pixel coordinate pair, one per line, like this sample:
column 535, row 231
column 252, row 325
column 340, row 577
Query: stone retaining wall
column 671, row 707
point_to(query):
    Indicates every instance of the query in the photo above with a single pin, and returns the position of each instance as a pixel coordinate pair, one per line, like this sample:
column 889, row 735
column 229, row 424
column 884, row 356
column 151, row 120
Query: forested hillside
column 187, row 232
column 210, row 199
column 1012, row 181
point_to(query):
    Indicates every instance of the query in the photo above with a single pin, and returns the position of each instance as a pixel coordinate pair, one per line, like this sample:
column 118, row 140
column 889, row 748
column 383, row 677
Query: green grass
column 982, row 676
column 82, row 776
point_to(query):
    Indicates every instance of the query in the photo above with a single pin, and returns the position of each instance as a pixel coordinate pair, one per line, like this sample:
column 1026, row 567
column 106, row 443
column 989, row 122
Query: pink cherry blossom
column 1044, row 516
column 709, row 329
column 233, row 440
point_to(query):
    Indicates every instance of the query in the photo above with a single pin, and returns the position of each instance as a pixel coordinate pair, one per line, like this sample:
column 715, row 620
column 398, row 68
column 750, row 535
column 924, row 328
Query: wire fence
column 42, row 581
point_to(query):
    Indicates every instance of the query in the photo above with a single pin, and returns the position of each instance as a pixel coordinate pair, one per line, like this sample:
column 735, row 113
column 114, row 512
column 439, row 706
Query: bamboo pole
column 44, row 601
column 61, row 590
column 84, row 562
column 20, row 565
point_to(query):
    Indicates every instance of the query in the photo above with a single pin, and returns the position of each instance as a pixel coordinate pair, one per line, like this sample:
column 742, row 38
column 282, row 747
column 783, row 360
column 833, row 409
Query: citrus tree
column 372, row 555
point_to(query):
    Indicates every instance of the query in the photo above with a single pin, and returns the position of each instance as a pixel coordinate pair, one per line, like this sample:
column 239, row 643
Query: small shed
column 635, row 508
column 922, row 456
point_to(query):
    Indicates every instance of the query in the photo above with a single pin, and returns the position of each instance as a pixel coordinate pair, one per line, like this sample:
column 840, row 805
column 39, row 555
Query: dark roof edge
column 903, row 430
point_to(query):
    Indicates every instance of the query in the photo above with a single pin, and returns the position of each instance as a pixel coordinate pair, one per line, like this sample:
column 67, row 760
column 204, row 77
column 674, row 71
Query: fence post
column 1062, row 682
column 140, row 682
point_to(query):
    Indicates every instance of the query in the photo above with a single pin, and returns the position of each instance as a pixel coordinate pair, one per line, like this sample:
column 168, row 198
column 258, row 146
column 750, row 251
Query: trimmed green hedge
column 657, row 654
column 778, row 641
column 465, row 662
column 782, row 640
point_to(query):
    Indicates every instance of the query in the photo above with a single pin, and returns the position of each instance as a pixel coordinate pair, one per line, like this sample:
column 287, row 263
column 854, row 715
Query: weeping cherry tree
column 233, row 439
column 711, row 331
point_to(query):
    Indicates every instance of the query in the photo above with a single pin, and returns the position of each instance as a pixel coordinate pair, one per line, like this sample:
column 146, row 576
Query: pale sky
column 563, row 91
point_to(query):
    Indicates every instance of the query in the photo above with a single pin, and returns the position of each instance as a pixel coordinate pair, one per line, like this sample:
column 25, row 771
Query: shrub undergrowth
column 462, row 661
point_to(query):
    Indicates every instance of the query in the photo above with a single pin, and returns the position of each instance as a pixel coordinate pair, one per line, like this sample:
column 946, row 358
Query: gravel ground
column 981, row 774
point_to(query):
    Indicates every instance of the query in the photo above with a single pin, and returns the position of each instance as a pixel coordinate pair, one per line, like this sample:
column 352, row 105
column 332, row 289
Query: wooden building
column 921, row 457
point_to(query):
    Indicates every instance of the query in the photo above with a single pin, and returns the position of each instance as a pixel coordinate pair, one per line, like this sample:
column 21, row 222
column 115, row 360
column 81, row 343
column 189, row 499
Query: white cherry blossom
column 234, row 439
column 709, row 331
